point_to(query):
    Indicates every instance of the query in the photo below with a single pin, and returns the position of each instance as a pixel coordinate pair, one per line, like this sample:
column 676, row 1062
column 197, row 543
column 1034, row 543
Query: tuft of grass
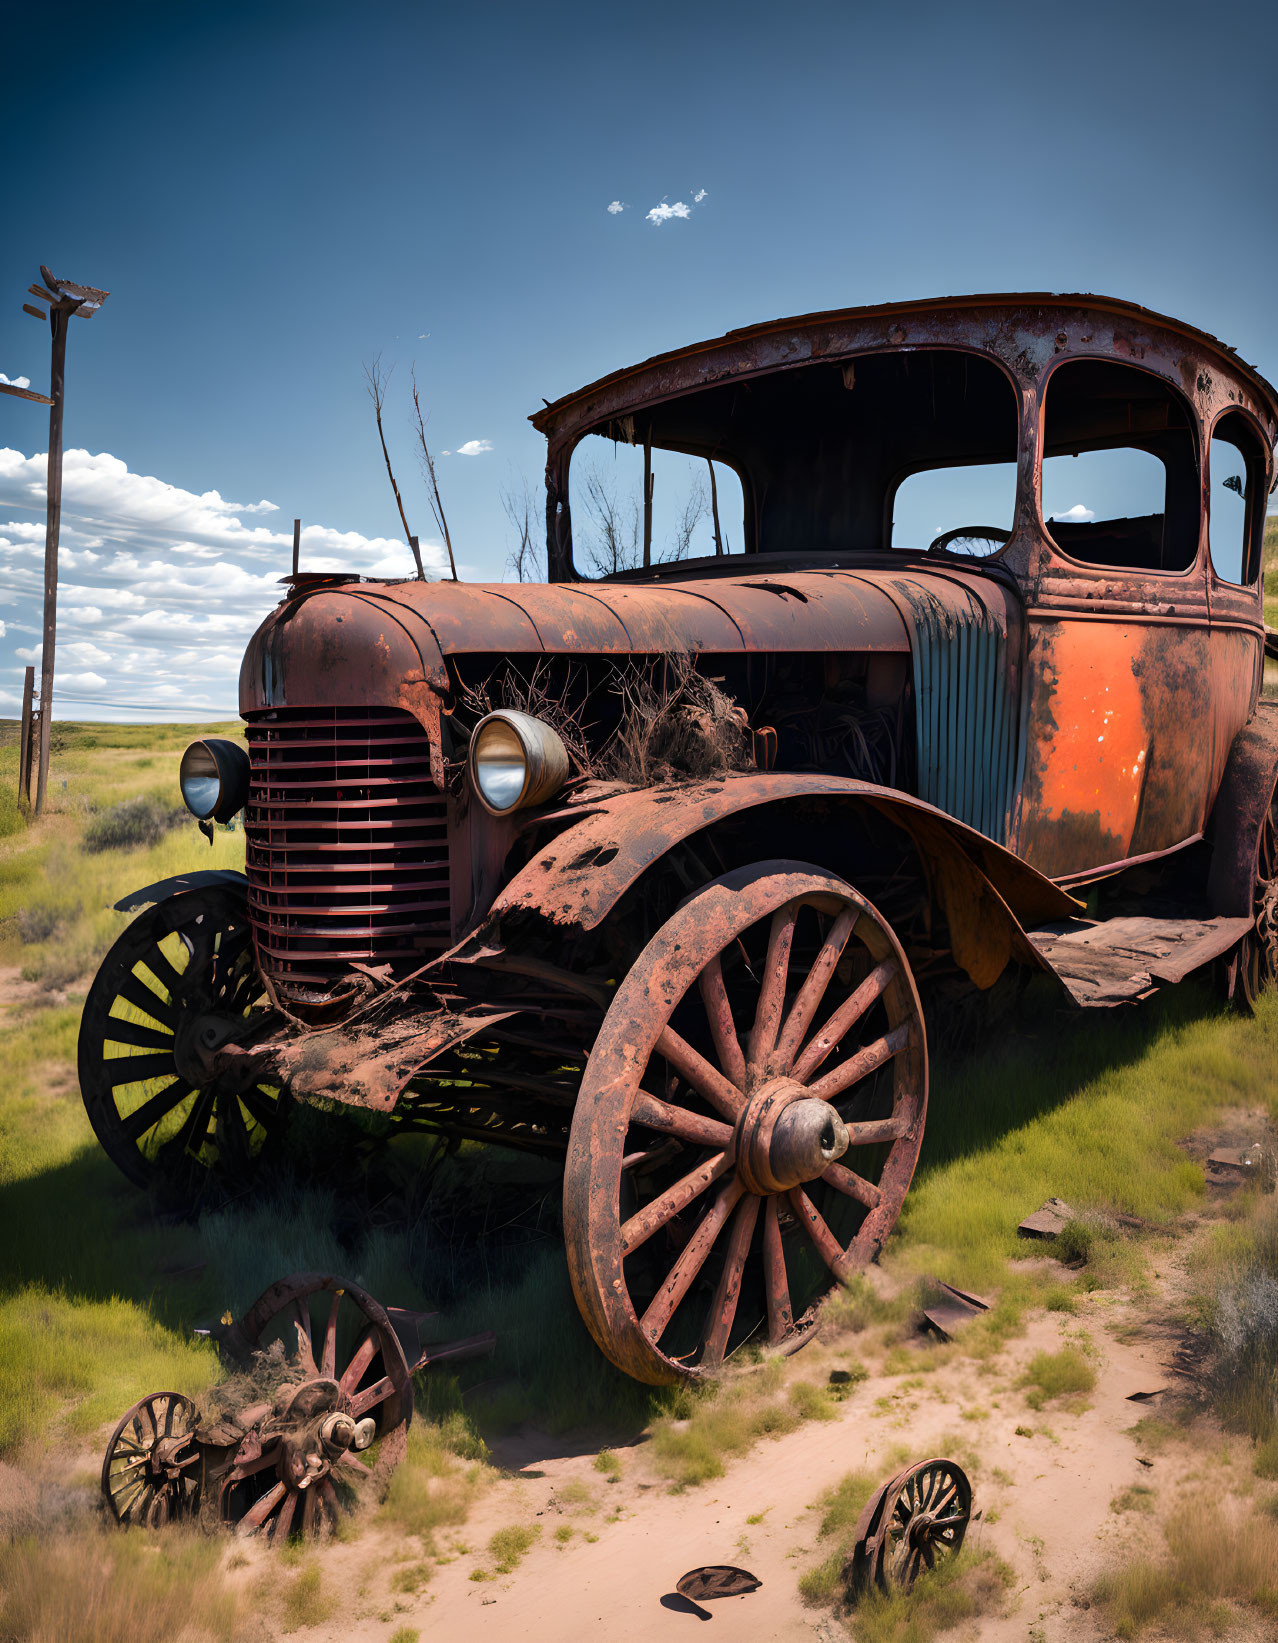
column 1139, row 1498
column 1212, row 1555
column 306, row 1603
column 101, row 1586
column 431, row 1487
column 411, row 1578
column 132, row 822
column 510, row 1545
column 974, row 1585
column 564, row 1533
column 713, row 1423
column 404, row 1634
column 841, row 1506
column 1056, row 1375
column 1238, row 1303
column 605, row 1461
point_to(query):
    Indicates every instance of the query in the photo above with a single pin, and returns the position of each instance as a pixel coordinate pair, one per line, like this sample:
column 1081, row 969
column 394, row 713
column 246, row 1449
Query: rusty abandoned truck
column 657, row 872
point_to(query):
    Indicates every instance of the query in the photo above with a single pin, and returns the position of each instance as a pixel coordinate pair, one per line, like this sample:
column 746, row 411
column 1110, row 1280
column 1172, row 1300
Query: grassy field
column 99, row 1289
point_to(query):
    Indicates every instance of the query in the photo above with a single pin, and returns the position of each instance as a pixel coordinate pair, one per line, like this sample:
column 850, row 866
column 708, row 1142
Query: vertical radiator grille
column 347, row 845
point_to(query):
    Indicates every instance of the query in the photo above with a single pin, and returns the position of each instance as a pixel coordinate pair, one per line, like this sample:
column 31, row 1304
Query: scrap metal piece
column 716, row 1580
column 952, row 1309
column 1047, row 1222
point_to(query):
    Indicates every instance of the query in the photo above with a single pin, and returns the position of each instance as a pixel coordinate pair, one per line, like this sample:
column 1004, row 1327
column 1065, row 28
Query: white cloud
column 160, row 588
column 699, row 196
column 1077, row 515
column 664, row 212
column 16, row 382
column 615, row 207
column 474, row 447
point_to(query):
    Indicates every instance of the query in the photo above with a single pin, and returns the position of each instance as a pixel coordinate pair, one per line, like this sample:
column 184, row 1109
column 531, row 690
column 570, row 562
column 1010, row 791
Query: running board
column 1127, row 958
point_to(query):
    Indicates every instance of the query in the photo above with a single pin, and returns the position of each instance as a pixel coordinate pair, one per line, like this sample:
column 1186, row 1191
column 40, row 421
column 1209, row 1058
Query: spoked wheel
column 175, row 987
column 1254, row 965
column 151, row 1471
column 769, row 1027
column 352, row 1395
column 912, row 1523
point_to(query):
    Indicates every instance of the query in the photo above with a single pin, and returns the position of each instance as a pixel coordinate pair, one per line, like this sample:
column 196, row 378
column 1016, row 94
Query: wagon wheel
column 173, row 989
column 771, row 1024
column 1255, row 963
column 150, row 1473
column 299, row 1469
column 913, row 1523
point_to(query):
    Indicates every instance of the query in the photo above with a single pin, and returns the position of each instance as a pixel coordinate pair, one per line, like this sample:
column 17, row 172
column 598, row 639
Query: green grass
column 305, row 1600
column 1063, row 1374
column 1212, row 1557
column 974, row 1585
column 433, row 1487
column 709, row 1425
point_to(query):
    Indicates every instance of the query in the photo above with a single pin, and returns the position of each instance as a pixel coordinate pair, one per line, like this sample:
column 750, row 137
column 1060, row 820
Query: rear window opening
column 1236, row 469
column 1120, row 471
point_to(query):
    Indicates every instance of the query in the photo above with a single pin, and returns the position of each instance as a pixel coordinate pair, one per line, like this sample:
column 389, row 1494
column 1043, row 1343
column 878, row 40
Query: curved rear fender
column 1246, row 793
column 989, row 896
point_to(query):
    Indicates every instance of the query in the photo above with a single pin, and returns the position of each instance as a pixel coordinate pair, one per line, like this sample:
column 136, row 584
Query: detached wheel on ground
column 748, row 1123
column 174, row 988
column 151, row 1472
column 913, row 1522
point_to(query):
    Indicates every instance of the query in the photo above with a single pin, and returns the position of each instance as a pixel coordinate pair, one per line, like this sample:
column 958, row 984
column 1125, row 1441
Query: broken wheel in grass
column 913, row 1522
column 297, row 1469
column 151, row 1472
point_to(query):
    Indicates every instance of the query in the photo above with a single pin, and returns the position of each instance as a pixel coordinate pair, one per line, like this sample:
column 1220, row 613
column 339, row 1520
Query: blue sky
column 275, row 193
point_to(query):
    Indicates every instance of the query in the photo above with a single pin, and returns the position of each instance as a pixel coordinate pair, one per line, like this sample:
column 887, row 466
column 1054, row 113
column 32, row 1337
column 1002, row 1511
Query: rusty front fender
column 1238, row 815
column 989, row 896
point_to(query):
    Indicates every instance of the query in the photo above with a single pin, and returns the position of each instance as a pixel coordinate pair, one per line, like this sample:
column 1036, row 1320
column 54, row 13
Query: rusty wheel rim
column 776, row 986
column 922, row 1520
column 285, row 1480
column 1256, row 960
column 183, row 968
column 150, row 1473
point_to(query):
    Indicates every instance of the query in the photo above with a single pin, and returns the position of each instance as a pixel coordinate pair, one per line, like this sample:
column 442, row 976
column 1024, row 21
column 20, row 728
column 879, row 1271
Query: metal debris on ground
column 716, row 1580
column 915, row 1521
column 307, row 1399
column 1047, row 1222
column 952, row 1308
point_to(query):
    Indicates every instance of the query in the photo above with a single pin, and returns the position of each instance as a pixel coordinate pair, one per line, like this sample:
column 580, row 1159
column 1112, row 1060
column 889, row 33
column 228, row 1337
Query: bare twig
column 428, row 465
column 377, row 380
column 520, row 509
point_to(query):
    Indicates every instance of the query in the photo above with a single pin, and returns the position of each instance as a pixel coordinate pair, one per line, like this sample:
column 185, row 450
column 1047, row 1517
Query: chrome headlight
column 214, row 778
column 516, row 761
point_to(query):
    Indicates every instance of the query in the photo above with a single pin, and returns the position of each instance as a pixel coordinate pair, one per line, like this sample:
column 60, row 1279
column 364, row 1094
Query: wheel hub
column 785, row 1137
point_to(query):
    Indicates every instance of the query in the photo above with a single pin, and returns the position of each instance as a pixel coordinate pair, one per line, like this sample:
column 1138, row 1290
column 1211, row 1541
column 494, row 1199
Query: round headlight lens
column 516, row 761
column 214, row 778
column 500, row 764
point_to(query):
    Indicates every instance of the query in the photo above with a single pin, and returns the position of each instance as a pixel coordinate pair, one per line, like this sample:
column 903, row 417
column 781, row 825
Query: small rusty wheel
column 170, row 992
column 298, row 1468
column 703, row 1198
column 912, row 1523
column 151, row 1470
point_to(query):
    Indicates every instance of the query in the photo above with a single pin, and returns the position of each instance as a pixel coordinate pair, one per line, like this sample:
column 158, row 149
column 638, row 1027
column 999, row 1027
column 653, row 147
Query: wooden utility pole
column 24, row 754
column 64, row 300
column 647, row 500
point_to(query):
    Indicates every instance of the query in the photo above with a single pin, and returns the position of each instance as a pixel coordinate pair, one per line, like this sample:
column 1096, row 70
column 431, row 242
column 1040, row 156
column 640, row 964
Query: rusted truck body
column 672, row 874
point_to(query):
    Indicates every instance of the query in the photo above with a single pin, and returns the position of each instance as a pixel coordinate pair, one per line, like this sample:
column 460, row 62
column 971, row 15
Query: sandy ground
column 1044, row 1502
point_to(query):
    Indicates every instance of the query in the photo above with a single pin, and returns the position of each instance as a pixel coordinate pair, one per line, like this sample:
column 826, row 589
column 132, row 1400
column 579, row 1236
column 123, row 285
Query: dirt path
column 1046, row 1498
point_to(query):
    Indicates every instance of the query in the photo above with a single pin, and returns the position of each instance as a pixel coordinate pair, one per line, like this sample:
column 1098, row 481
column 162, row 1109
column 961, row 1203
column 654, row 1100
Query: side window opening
column 964, row 510
column 1120, row 477
column 1236, row 498
column 695, row 507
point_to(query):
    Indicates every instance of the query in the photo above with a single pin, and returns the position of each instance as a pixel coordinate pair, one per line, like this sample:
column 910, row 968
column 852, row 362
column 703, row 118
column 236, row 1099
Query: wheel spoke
column 284, row 1518
column 714, row 995
column 377, row 1393
column 195, row 1129
column 776, row 973
column 780, row 1316
column 264, row 1108
column 328, row 1363
column 671, row 1120
column 136, row 1034
column 138, row 1069
column 258, row 1513
column 328, row 1494
column 861, row 1065
column 363, row 1356
column 305, row 1340
column 173, row 982
column 310, row 1506
column 723, row 1308
column 827, row 1245
column 813, row 990
column 697, row 1071
column 134, row 1125
column 690, row 1262
column 844, row 1018
column 356, row 1465
column 641, row 1226
column 133, row 990
column 853, row 1185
